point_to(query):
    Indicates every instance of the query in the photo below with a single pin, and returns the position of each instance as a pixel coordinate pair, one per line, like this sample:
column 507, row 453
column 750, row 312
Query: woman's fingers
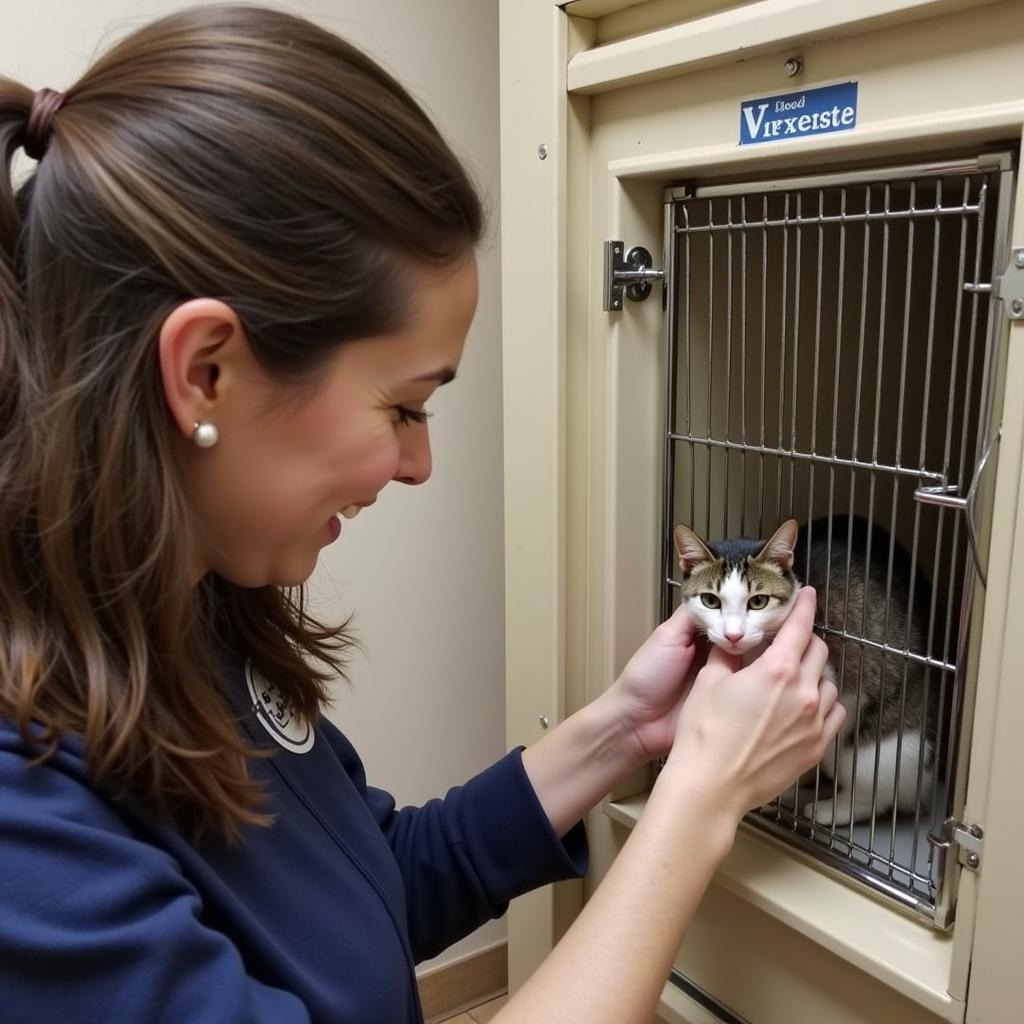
column 827, row 696
column 679, row 625
column 815, row 659
column 796, row 653
column 791, row 640
column 833, row 722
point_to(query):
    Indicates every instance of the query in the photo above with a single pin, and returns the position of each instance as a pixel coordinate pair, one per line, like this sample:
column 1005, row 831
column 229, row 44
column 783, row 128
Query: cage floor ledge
column 910, row 957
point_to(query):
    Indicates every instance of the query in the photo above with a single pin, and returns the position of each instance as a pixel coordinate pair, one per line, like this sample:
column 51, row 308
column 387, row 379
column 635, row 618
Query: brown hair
column 231, row 152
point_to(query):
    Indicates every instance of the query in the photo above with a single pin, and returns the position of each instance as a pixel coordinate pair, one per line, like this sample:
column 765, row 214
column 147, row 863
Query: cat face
column 739, row 592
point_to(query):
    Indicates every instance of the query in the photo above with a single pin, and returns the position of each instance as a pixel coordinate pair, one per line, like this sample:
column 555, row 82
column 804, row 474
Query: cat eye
column 710, row 600
column 757, row 602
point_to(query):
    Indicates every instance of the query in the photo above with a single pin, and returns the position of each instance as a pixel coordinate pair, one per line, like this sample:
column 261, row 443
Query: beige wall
column 422, row 570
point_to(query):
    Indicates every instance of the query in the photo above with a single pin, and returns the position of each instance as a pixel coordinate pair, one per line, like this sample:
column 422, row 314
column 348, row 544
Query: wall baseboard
column 467, row 982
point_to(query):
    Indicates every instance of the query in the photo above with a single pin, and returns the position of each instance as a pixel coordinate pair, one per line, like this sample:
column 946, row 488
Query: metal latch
column 970, row 839
column 1011, row 286
column 948, row 496
column 635, row 273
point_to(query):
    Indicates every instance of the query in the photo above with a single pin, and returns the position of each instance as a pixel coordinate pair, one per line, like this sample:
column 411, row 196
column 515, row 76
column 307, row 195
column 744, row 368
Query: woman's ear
column 200, row 343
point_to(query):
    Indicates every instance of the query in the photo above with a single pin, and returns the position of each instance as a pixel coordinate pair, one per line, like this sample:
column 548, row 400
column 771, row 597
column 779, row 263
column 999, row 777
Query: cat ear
column 690, row 548
column 779, row 548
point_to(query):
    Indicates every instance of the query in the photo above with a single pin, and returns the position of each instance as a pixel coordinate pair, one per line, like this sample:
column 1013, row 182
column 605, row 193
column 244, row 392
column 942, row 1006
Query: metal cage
column 831, row 348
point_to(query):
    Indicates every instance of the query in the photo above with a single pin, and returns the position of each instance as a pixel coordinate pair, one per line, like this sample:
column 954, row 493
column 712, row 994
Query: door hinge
column 633, row 273
column 969, row 838
column 1011, row 286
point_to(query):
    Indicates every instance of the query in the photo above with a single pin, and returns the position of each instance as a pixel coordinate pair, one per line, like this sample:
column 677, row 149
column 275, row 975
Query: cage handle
column 946, row 496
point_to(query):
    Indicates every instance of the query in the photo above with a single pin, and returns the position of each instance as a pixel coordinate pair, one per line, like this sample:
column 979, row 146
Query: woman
column 243, row 264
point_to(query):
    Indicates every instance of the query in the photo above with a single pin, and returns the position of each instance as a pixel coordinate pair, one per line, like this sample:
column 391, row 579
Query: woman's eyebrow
column 443, row 376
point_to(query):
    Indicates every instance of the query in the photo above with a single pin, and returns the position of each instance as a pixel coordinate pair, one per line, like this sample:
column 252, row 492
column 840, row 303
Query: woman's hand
column 647, row 696
column 634, row 720
column 740, row 738
column 746, row 735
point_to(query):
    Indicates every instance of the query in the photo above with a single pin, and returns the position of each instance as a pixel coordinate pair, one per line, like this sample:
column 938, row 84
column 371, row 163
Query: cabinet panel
column 930, row 89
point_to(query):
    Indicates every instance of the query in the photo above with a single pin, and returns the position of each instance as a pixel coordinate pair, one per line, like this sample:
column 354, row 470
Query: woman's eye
column 407, row 415
column 710, row 601
column 757, row 602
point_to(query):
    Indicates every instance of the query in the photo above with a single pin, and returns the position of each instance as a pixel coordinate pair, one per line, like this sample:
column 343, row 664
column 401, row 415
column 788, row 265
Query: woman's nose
column 414, row 461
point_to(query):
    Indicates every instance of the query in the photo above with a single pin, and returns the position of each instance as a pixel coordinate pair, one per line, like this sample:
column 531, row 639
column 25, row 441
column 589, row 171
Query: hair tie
column 39, row 129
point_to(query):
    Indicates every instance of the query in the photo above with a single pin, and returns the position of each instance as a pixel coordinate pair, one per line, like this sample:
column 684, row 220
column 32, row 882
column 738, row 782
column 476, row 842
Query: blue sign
column 793, row 115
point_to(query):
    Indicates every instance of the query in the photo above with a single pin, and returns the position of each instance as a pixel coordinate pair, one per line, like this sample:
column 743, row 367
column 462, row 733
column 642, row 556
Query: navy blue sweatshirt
column 108, row 915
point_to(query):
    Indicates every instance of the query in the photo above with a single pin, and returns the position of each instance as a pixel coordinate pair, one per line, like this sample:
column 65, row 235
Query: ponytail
column 15, row 109
column 16, row 375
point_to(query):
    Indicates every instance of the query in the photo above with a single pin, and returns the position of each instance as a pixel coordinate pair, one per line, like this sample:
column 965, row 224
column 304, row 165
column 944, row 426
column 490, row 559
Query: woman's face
column 268, row 493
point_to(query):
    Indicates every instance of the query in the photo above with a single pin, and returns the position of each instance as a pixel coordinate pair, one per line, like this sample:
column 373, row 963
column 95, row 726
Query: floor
column 478, row 1014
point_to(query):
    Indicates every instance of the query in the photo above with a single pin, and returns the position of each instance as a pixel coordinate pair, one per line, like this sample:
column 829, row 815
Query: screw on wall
column 542, row 151
column 544, row 721
column 793, row 66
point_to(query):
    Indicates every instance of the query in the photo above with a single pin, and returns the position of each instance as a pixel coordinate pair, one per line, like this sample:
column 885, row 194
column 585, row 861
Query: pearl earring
column 205, row 435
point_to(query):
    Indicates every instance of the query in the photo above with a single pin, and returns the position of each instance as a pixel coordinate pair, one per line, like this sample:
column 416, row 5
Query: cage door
column 831, row 351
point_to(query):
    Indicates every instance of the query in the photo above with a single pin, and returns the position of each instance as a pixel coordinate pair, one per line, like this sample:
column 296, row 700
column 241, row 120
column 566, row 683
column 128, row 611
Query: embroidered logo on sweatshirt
column 276, row 713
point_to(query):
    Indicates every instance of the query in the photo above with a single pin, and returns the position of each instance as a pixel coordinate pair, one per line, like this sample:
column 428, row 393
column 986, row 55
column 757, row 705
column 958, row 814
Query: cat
column 739, row 593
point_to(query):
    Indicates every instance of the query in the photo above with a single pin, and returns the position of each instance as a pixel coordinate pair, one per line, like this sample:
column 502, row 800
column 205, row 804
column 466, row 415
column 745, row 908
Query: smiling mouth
column 351, row 511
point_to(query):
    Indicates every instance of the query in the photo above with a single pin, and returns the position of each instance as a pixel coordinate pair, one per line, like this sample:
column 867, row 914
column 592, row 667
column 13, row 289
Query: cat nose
column 734, row 638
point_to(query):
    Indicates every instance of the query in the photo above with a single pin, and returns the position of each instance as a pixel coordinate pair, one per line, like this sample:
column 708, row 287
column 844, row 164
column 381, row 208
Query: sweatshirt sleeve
column 463, row 857
column 100, row 926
